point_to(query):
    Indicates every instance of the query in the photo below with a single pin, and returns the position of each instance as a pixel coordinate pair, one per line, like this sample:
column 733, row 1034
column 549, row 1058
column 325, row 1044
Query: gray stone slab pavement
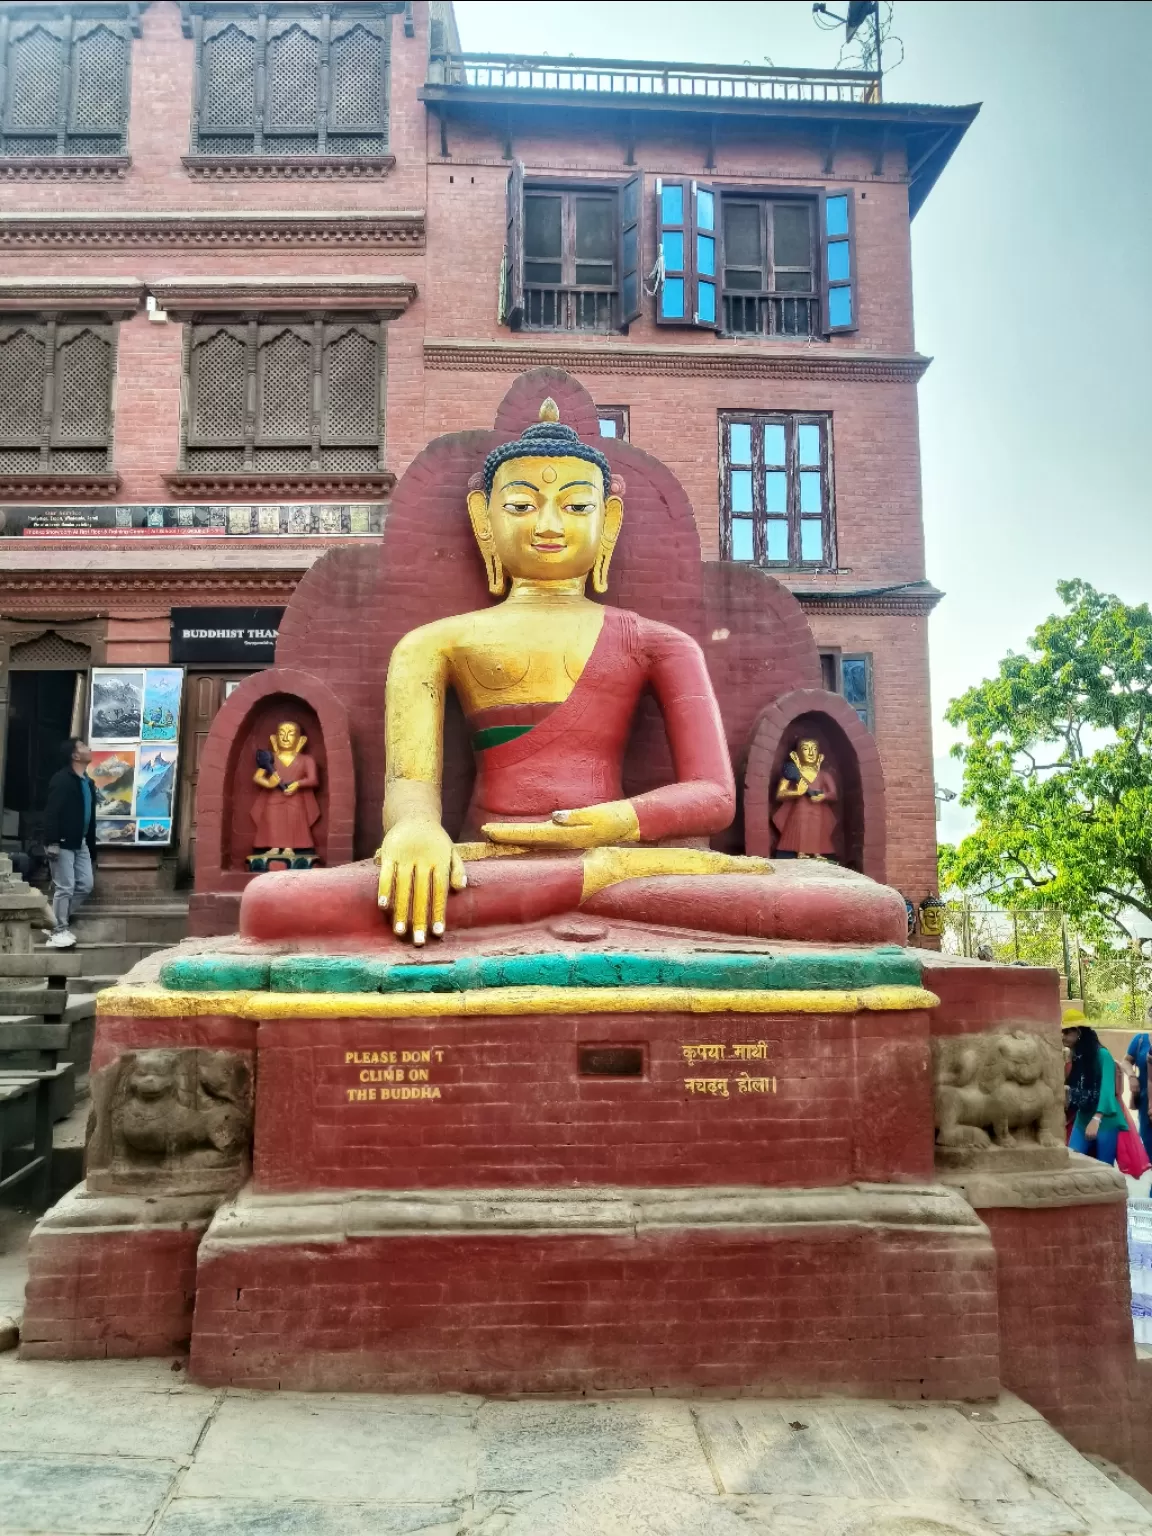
column 130, row 1448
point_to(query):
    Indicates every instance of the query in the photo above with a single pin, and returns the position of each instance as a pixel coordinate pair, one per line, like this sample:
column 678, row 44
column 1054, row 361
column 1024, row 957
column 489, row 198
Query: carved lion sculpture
column 990, row 1086
column 161, row 1108
column 171, row 1116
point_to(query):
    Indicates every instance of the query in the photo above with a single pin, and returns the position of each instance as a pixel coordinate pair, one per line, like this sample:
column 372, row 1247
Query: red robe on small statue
column 804, row 819
column 284, row 815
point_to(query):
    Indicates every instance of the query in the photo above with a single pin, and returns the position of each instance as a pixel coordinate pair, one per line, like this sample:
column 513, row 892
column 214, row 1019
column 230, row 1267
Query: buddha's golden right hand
column 418, row 866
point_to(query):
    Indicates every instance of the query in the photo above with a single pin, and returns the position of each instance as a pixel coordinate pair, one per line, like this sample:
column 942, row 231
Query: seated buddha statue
column 549, row 681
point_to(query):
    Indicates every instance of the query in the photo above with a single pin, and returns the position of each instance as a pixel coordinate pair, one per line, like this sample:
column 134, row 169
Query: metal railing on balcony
column 569, row 309
column 630, row 77
column 772, row 314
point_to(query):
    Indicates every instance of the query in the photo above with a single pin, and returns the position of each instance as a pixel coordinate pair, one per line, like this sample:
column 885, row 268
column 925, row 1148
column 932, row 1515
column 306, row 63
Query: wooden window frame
column 322, row 328
column 618, row 414
column 759, row 516
column 264, row 21
column 70, row 25
column 566, row 304
column 832, row 661
column 768, row 294
column 56, row 330
column 519, row 311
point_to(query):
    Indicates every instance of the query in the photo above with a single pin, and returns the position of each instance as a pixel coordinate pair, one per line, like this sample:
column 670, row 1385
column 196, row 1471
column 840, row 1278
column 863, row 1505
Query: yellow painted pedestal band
column 156, row 1002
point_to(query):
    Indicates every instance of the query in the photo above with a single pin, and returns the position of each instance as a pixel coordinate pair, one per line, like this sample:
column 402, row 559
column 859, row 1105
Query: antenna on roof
column 871, row 43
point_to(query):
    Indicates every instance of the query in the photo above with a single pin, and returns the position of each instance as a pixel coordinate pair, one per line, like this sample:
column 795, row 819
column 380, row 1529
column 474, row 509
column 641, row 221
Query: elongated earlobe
column 613, row 518
column 482, row 531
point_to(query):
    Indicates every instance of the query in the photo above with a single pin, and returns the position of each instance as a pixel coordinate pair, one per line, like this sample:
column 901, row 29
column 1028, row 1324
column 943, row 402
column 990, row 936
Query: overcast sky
column 1033, row 272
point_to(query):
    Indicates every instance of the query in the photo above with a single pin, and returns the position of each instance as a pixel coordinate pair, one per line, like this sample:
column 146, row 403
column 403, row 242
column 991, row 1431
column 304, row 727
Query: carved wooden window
column 64, row 79
column 56, row 375
column 776, row 489
column 850, row 676
column 281, row 80
column 283, row 395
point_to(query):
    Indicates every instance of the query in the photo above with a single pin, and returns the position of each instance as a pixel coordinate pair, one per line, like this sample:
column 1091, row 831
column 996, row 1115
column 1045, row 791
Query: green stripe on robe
column 497, row 735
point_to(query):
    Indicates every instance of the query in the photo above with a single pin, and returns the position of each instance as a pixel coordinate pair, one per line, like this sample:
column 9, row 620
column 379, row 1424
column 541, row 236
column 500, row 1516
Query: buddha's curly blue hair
column 546, row 440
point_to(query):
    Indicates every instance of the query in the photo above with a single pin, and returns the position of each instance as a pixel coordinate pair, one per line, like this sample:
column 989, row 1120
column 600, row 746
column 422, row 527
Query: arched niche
column 226, row 793
column 850, row 753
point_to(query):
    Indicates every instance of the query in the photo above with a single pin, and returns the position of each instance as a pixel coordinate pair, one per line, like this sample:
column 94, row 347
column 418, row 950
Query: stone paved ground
column 129, row 1448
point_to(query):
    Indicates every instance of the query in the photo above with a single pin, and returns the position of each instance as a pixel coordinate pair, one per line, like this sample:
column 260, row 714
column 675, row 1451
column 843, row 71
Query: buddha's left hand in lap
column 592, row 826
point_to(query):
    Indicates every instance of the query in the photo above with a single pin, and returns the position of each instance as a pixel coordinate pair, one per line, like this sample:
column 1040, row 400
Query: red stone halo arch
column 860, row 771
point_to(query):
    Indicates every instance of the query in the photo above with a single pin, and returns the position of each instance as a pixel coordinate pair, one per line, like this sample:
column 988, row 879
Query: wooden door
column 204, row 692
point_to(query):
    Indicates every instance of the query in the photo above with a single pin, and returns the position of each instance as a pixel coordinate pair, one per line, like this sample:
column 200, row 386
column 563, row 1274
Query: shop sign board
column 229, row 637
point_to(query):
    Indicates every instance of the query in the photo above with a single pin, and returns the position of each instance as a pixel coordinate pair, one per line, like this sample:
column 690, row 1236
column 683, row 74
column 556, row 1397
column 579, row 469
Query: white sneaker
column 63, row 938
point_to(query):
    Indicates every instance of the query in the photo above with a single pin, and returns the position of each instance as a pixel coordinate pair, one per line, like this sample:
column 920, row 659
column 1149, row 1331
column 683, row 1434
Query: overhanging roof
column 839, row 107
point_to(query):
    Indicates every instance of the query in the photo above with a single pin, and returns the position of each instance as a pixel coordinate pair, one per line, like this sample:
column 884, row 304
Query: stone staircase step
column 142, row 927
column 32, row 1032
column 38, row 998
column 40, row 962
column 110, row 959
column 75, row 985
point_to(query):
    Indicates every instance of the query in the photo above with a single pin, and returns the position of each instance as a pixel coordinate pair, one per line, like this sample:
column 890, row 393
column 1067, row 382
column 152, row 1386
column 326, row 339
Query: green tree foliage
column 1058, row 768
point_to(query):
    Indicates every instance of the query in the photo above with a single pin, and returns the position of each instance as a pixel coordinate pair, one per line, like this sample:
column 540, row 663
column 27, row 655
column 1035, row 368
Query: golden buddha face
column 288, row 737
column 547, row 519
column 809, row 750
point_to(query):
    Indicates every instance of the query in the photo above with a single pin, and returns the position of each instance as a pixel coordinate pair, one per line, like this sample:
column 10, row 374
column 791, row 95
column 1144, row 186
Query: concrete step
column 109, row 959
column 75, row 985
column 155, row 926
column 39, row 963
column 37, row 998
column 68, row 1139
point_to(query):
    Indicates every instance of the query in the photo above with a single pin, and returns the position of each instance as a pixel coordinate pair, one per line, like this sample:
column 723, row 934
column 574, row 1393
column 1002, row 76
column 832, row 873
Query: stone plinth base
column 113, row 1276
column 886, row 1291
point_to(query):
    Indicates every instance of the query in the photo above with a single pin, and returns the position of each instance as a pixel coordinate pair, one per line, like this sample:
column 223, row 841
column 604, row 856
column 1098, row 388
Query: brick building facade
column 254, row 256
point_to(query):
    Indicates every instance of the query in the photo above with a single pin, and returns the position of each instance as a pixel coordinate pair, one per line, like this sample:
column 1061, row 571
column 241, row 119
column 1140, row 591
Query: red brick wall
column 852, row 1102
column 865, row 1312
column 109, row 1294
column 1065, row 1323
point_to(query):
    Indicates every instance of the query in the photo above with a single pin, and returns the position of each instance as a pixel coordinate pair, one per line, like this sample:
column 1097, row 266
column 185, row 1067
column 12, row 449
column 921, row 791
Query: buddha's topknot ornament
column 547, row 439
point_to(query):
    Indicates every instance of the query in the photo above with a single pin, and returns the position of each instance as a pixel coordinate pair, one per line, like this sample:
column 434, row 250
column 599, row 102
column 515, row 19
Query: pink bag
column 1131, row 1157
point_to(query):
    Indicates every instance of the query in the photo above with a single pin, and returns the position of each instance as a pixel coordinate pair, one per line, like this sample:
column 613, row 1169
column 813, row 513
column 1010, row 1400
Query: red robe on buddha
column 547, row 758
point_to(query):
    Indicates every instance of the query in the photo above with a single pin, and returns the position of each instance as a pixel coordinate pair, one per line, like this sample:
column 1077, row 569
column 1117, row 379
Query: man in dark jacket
column 70, row 838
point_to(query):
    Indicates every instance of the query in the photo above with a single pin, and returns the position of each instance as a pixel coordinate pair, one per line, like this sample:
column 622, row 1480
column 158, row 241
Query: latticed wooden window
column 56, row 395
column 292, row 79
column 64, row 79
column 285, row 396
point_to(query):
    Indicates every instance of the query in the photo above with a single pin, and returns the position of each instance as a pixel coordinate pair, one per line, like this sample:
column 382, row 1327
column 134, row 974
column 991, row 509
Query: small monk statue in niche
column 549, row 681
column 284, row 815
column 804, row 819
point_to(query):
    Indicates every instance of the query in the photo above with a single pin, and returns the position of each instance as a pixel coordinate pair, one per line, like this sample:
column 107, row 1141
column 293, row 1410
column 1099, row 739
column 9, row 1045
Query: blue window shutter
column 838, row 286
column 674, row 223
column 705, row 257
column 631, row 249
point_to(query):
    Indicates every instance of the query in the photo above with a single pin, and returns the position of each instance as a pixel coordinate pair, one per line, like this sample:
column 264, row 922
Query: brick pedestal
column 882, row 1291
column 113, row 1277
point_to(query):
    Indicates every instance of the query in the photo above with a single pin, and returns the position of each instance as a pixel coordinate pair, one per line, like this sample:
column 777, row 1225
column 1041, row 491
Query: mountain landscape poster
column 155, row 782
column 161, row 712
column 114, row 776
column 117, row 705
